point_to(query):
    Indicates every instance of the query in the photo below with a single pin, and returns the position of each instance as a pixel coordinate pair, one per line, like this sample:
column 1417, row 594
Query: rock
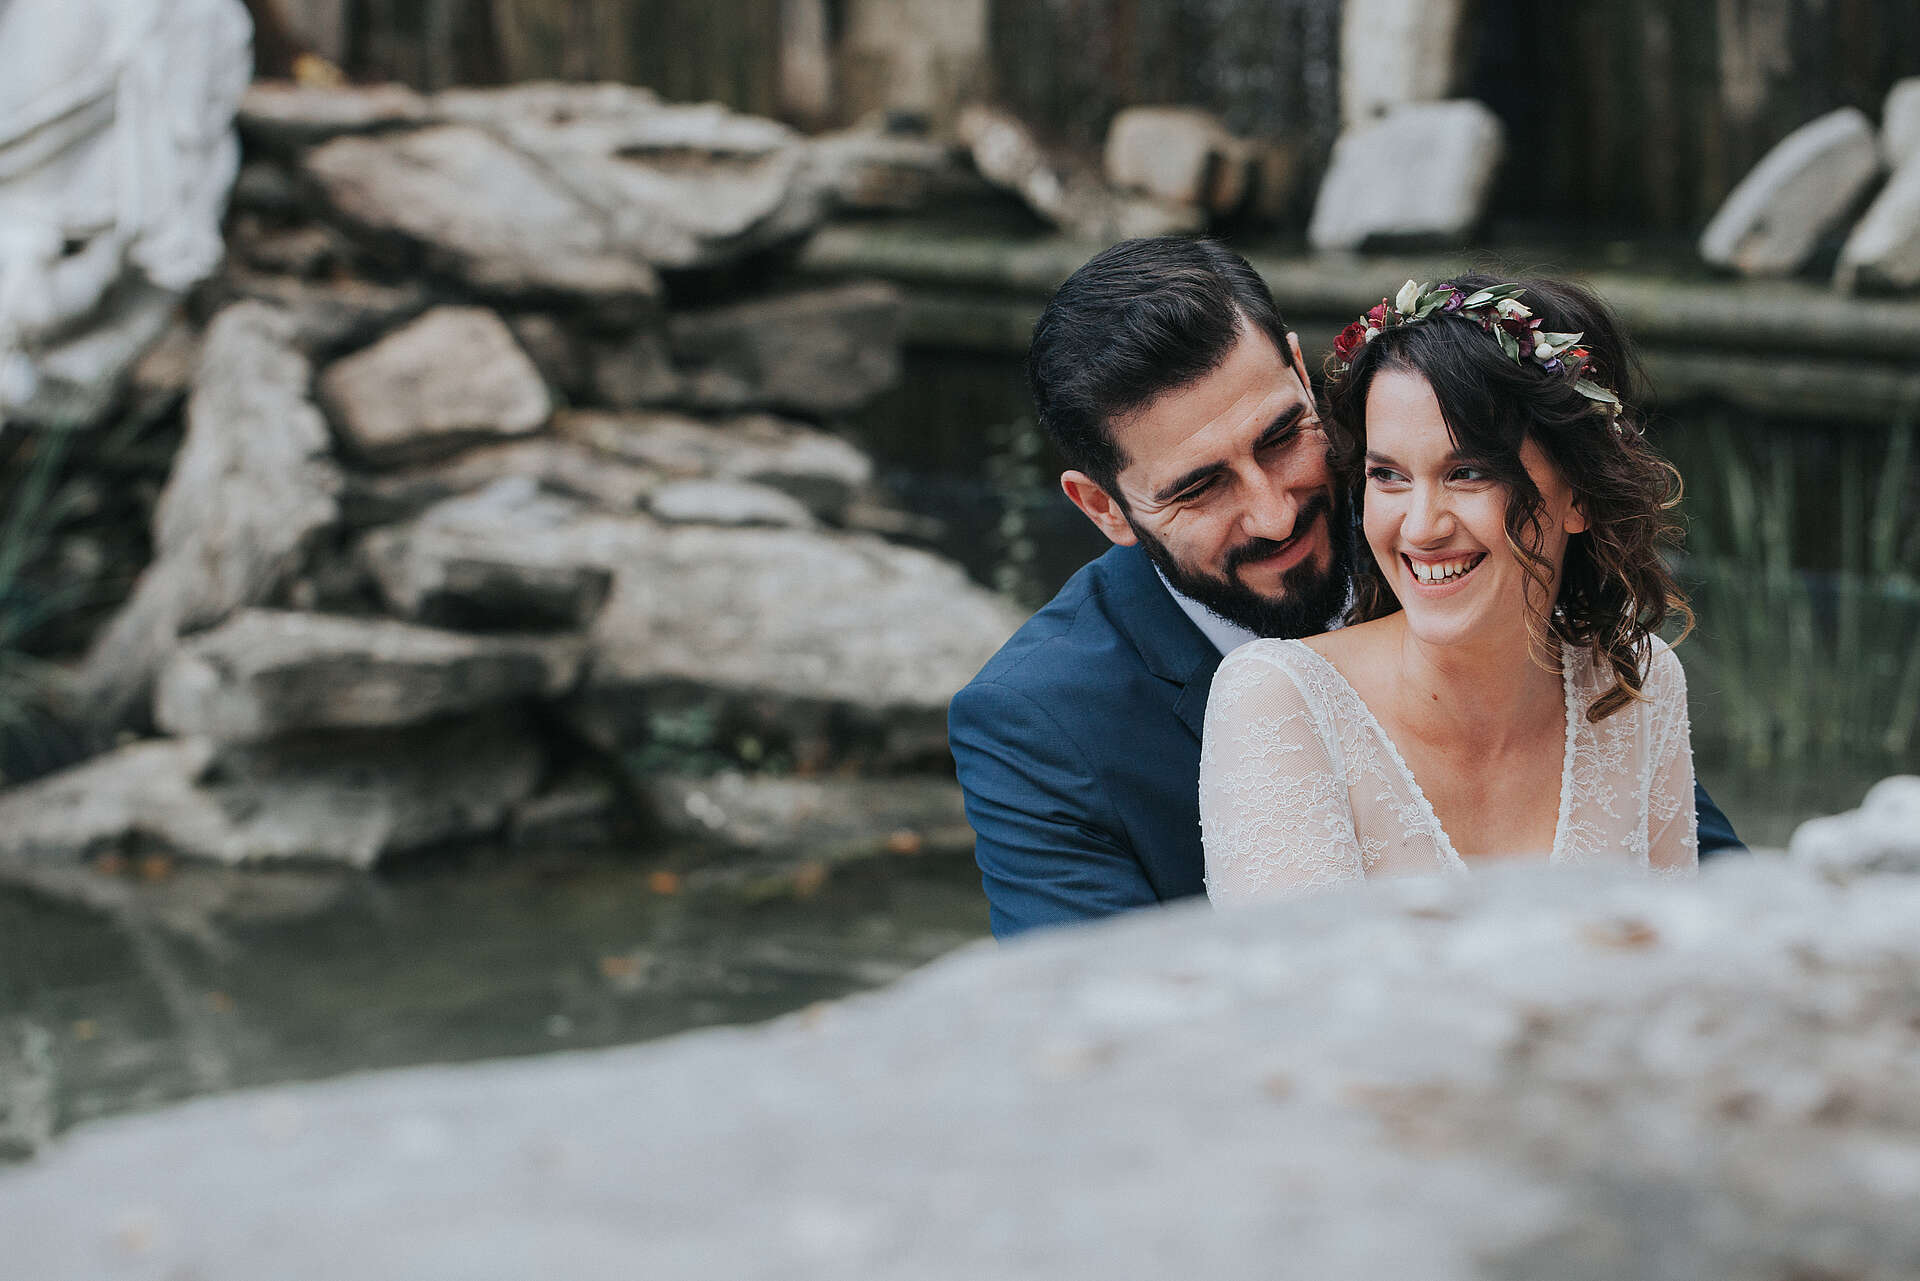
column 810, row 817
column 330, row 316
column 1900, row 123
column 1542, row 1074
column 561, row 466
column 581, row 811
column 1883, row 835
column 821, row 470
column 1276, row 173
column 162, row 377
column 1007, row 156
column 350, row 798
column 450, row 378
column 306, row 251
column 632, row 371
column 1771, row 223
column 268, row 188
column 281, row 117
column 505, row 558
column 1395, row 52
column 29, row 1072
column 818, row 352
column 1420, row 175
column 728, row 502
column 840, row 646
column 923, row 59
column 871, row 171
column 679, row 186
column 1181, row 155
column 266, row 673
column 484, row 213
column 251, row 488
column 556, row 352
column 1883, row 251
column 78, row 379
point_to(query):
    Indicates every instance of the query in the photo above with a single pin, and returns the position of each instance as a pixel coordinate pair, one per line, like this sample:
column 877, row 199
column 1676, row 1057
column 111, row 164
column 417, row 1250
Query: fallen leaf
column 905, row 841
column 808, row 878
column 663, row 882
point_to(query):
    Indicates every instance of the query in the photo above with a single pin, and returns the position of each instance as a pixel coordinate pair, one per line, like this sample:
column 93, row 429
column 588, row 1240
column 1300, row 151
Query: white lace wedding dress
column 1301, row 789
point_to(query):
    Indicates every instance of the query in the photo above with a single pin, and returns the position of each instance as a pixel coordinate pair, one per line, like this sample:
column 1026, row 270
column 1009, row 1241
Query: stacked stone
column 460, row 470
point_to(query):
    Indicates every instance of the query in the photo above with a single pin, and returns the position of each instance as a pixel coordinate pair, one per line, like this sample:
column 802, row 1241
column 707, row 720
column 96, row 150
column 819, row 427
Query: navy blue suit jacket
column 1078, row 746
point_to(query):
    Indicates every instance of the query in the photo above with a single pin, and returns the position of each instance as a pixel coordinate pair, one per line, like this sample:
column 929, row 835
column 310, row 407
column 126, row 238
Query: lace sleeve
column 1673, row 843
column 1274, row 813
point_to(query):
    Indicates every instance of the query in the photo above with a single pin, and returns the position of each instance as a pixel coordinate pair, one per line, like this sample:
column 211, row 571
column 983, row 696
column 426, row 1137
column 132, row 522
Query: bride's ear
column 1576, row 518
column 1102, row 508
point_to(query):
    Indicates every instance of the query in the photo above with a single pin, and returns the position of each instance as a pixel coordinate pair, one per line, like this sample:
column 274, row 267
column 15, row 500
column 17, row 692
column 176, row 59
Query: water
column 201, row 979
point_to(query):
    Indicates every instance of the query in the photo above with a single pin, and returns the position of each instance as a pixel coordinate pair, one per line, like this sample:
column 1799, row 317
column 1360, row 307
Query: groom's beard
column 1310, row 597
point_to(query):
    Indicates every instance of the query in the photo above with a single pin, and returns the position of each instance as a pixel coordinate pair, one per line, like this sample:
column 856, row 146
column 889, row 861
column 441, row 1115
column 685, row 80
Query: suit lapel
column 1171, row 646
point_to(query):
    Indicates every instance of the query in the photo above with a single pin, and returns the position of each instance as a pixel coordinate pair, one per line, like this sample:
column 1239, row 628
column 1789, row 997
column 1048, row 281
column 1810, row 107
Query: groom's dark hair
column 1137, row 321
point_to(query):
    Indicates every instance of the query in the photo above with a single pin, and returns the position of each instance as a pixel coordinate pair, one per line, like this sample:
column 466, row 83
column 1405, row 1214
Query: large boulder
column 841, row 646
column 869, row 170
column 817, row 352
column 481, row 211
column 282, row 117
column 330, row 316
column 1008, row 156
column 727, row 502
column 1529, row 1074
column 1883, row 835
column 1900, row 122
column 1883, row 251
column 822, row 470
column 266, row 673
column 1771, row 223
column 1181, row 155
column 252, row 486
column 679, row 186
column 452, row 377
column 350, row 798
column 1420, row 175
column 508, row 556
column 1393, row 52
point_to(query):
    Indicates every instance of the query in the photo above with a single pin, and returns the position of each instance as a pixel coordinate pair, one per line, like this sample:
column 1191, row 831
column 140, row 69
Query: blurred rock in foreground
column 1533, row 1074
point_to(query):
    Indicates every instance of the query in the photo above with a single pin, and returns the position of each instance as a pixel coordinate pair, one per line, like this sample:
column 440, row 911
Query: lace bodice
column 1301, row 789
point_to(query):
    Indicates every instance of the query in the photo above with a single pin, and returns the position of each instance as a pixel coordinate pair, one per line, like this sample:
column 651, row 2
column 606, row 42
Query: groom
column 1164, row 376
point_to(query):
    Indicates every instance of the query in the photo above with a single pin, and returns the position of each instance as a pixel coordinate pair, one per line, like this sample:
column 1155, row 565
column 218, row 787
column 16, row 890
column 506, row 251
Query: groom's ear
column 1299, row 363
column 1102, row 508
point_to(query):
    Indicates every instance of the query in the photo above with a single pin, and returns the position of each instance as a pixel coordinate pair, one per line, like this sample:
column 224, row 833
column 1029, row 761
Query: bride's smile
column 1436, row 521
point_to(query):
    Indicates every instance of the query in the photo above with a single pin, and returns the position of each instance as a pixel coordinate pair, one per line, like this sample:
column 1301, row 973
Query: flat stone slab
column 728, row 502
column 483, row 212
column 453, row 377
column 820, row 469
column 1422, row 174
column 1182, row 155
column 816, row 352
column 342, row 797
column 1530, row 1074
column 282, row 116
column 810, row 817
column 265, row 673
column 509, row 555
column 1771, row 222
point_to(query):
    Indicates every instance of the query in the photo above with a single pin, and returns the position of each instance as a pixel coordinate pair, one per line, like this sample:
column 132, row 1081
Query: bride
column 1499, row 692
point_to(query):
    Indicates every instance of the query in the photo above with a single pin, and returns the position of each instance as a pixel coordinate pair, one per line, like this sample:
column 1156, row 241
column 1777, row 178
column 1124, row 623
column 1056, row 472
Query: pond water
column 202, row 979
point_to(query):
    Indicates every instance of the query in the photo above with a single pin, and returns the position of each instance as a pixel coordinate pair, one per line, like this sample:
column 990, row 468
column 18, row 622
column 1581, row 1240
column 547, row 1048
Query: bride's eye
column 1383, row 475
column 1471, row 475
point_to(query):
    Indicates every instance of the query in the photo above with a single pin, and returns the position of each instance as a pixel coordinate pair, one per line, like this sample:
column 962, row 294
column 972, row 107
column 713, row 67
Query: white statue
column 117, row 153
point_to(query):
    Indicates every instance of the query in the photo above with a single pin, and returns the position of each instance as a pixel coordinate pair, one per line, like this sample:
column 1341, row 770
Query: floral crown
column 1500, row 312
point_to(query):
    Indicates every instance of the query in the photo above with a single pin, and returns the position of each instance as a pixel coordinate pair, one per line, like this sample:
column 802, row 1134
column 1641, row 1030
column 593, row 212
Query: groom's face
column 1226, row 487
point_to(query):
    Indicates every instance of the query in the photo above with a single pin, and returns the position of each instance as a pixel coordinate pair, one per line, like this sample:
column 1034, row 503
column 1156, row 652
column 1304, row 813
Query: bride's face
column 1437, row 523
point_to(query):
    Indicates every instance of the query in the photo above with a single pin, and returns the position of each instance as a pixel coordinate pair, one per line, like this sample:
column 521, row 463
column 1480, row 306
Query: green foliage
column 1021, row 486
column 698, row 739
column 30, row 687
column 1800, row 665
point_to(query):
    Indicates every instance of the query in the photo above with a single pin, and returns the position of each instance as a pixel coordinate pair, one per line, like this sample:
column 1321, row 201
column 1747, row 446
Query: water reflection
column 201, row 979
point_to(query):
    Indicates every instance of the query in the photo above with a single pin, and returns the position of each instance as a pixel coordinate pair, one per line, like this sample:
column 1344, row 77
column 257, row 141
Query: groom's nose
column 1272, row 508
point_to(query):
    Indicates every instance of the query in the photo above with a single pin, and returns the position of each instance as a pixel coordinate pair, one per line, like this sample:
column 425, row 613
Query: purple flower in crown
column 1553, row 365
column 1453, row 301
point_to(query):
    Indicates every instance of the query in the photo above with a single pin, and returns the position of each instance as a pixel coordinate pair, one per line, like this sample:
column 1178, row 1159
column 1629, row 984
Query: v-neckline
column 1560, row 819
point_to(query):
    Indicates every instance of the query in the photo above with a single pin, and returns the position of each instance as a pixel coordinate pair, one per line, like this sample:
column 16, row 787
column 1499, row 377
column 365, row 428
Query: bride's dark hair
column 1615, row 590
